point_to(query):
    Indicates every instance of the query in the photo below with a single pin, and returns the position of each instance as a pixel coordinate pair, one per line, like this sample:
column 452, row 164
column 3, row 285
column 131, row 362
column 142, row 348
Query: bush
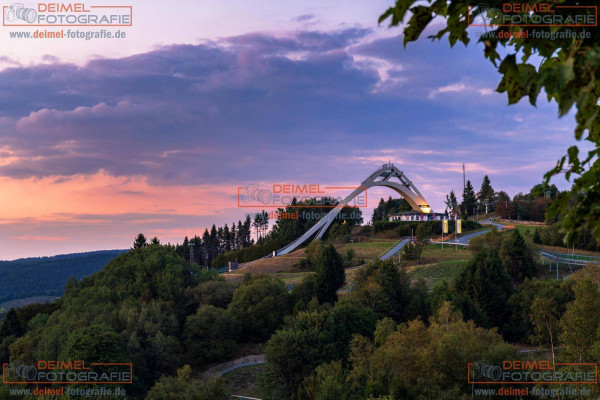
column 383, row 288
column 349, row 254
column 210, row 334
column 260, row 305
column 215, row 293
column 339, row 230
column 423, row 232
column 311, row 251
column 183, row 387
column 490, row 240
column 537, row 238
column 411, row 251
column 310, row 339
column 304, row 292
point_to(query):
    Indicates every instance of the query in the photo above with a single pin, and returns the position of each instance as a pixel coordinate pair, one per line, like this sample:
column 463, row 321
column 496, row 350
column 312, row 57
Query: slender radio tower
column 464, row 183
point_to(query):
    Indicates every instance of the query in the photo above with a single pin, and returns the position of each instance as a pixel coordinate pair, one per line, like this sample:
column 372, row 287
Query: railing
column 575, row 259
column 580, row 260
column 390, row 253
column 247, row 361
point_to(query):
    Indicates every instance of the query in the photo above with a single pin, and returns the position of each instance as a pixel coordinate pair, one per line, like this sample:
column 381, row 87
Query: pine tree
column 265, row 223
column 205, row 247
column 140, row 241
column 234, row 237
column 199, row 250
column 379, row 211
column 469, row 200
column 537, row 238
column 485, row 285
column 257, row 224
column 212, row 244
column 11, row 325
column 247, row 232
column 186, row 249
column 330, row 274
column 220, row 245
column 240, row 235
column 516, row 257
column 486, row 194
column 451, row 202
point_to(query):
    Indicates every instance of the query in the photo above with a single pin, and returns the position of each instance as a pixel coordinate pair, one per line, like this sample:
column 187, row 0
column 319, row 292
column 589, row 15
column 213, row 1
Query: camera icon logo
column 486, row 15
column 482, row 369
column 18, row 11
column 18, row 369
column 253, row 192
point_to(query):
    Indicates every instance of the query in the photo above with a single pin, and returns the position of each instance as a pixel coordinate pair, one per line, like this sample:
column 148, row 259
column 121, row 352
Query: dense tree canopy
column 330, row 274
column 517, row 258
column 485, row 285
column 311, row 338
column 131, row 311
column 260, row 305
column 210, row 333
column 383, row 288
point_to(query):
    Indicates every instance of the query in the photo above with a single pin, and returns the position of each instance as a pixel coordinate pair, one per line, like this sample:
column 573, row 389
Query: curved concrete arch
column 387, row 176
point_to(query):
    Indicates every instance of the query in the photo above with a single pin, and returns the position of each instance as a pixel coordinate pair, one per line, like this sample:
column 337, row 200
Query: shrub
column 260, row 305
column 210, row 334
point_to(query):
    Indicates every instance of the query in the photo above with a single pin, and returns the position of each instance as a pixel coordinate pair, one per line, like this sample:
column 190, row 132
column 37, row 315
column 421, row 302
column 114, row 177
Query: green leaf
column 417, row 23
column 397, row 12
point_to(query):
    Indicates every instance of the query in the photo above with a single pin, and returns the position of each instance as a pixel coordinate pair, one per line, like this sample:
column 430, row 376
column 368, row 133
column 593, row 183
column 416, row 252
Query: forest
column 381, row 340
column 46, row 276
column 217, row 246
column 381, row 337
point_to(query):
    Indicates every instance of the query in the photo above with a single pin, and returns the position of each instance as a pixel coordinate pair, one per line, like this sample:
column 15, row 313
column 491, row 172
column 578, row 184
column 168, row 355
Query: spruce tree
column 517, row 258
column 486, row 193
column 451, row 202
column 140, row 241
column 330, row 274
column 11, row 325
column 379, row 211
column 469, row 200
column 234, row 237
column 537, row 238
column 485, row 284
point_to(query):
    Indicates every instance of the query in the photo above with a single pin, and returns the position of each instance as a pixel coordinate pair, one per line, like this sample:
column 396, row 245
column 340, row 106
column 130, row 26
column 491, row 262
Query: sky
column 102, row 139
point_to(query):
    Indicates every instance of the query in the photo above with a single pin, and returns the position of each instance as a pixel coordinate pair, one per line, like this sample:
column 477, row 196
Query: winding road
column 464, row 240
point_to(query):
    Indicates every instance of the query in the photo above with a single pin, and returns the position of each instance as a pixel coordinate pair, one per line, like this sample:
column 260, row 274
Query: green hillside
column 47, row 276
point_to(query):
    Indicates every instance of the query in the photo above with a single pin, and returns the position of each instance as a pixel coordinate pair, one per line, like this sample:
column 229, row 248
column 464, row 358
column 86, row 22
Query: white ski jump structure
column 388, row 176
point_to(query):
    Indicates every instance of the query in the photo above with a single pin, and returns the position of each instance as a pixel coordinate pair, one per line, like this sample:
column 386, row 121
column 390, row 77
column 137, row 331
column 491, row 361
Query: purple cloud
column 270, row 106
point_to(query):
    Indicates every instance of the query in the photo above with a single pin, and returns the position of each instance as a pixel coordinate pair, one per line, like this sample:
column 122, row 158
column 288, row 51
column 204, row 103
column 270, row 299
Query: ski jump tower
column 389, row 176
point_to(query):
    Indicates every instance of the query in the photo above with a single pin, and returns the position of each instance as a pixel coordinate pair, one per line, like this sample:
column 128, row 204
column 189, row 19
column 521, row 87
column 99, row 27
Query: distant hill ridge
column 47, row 276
